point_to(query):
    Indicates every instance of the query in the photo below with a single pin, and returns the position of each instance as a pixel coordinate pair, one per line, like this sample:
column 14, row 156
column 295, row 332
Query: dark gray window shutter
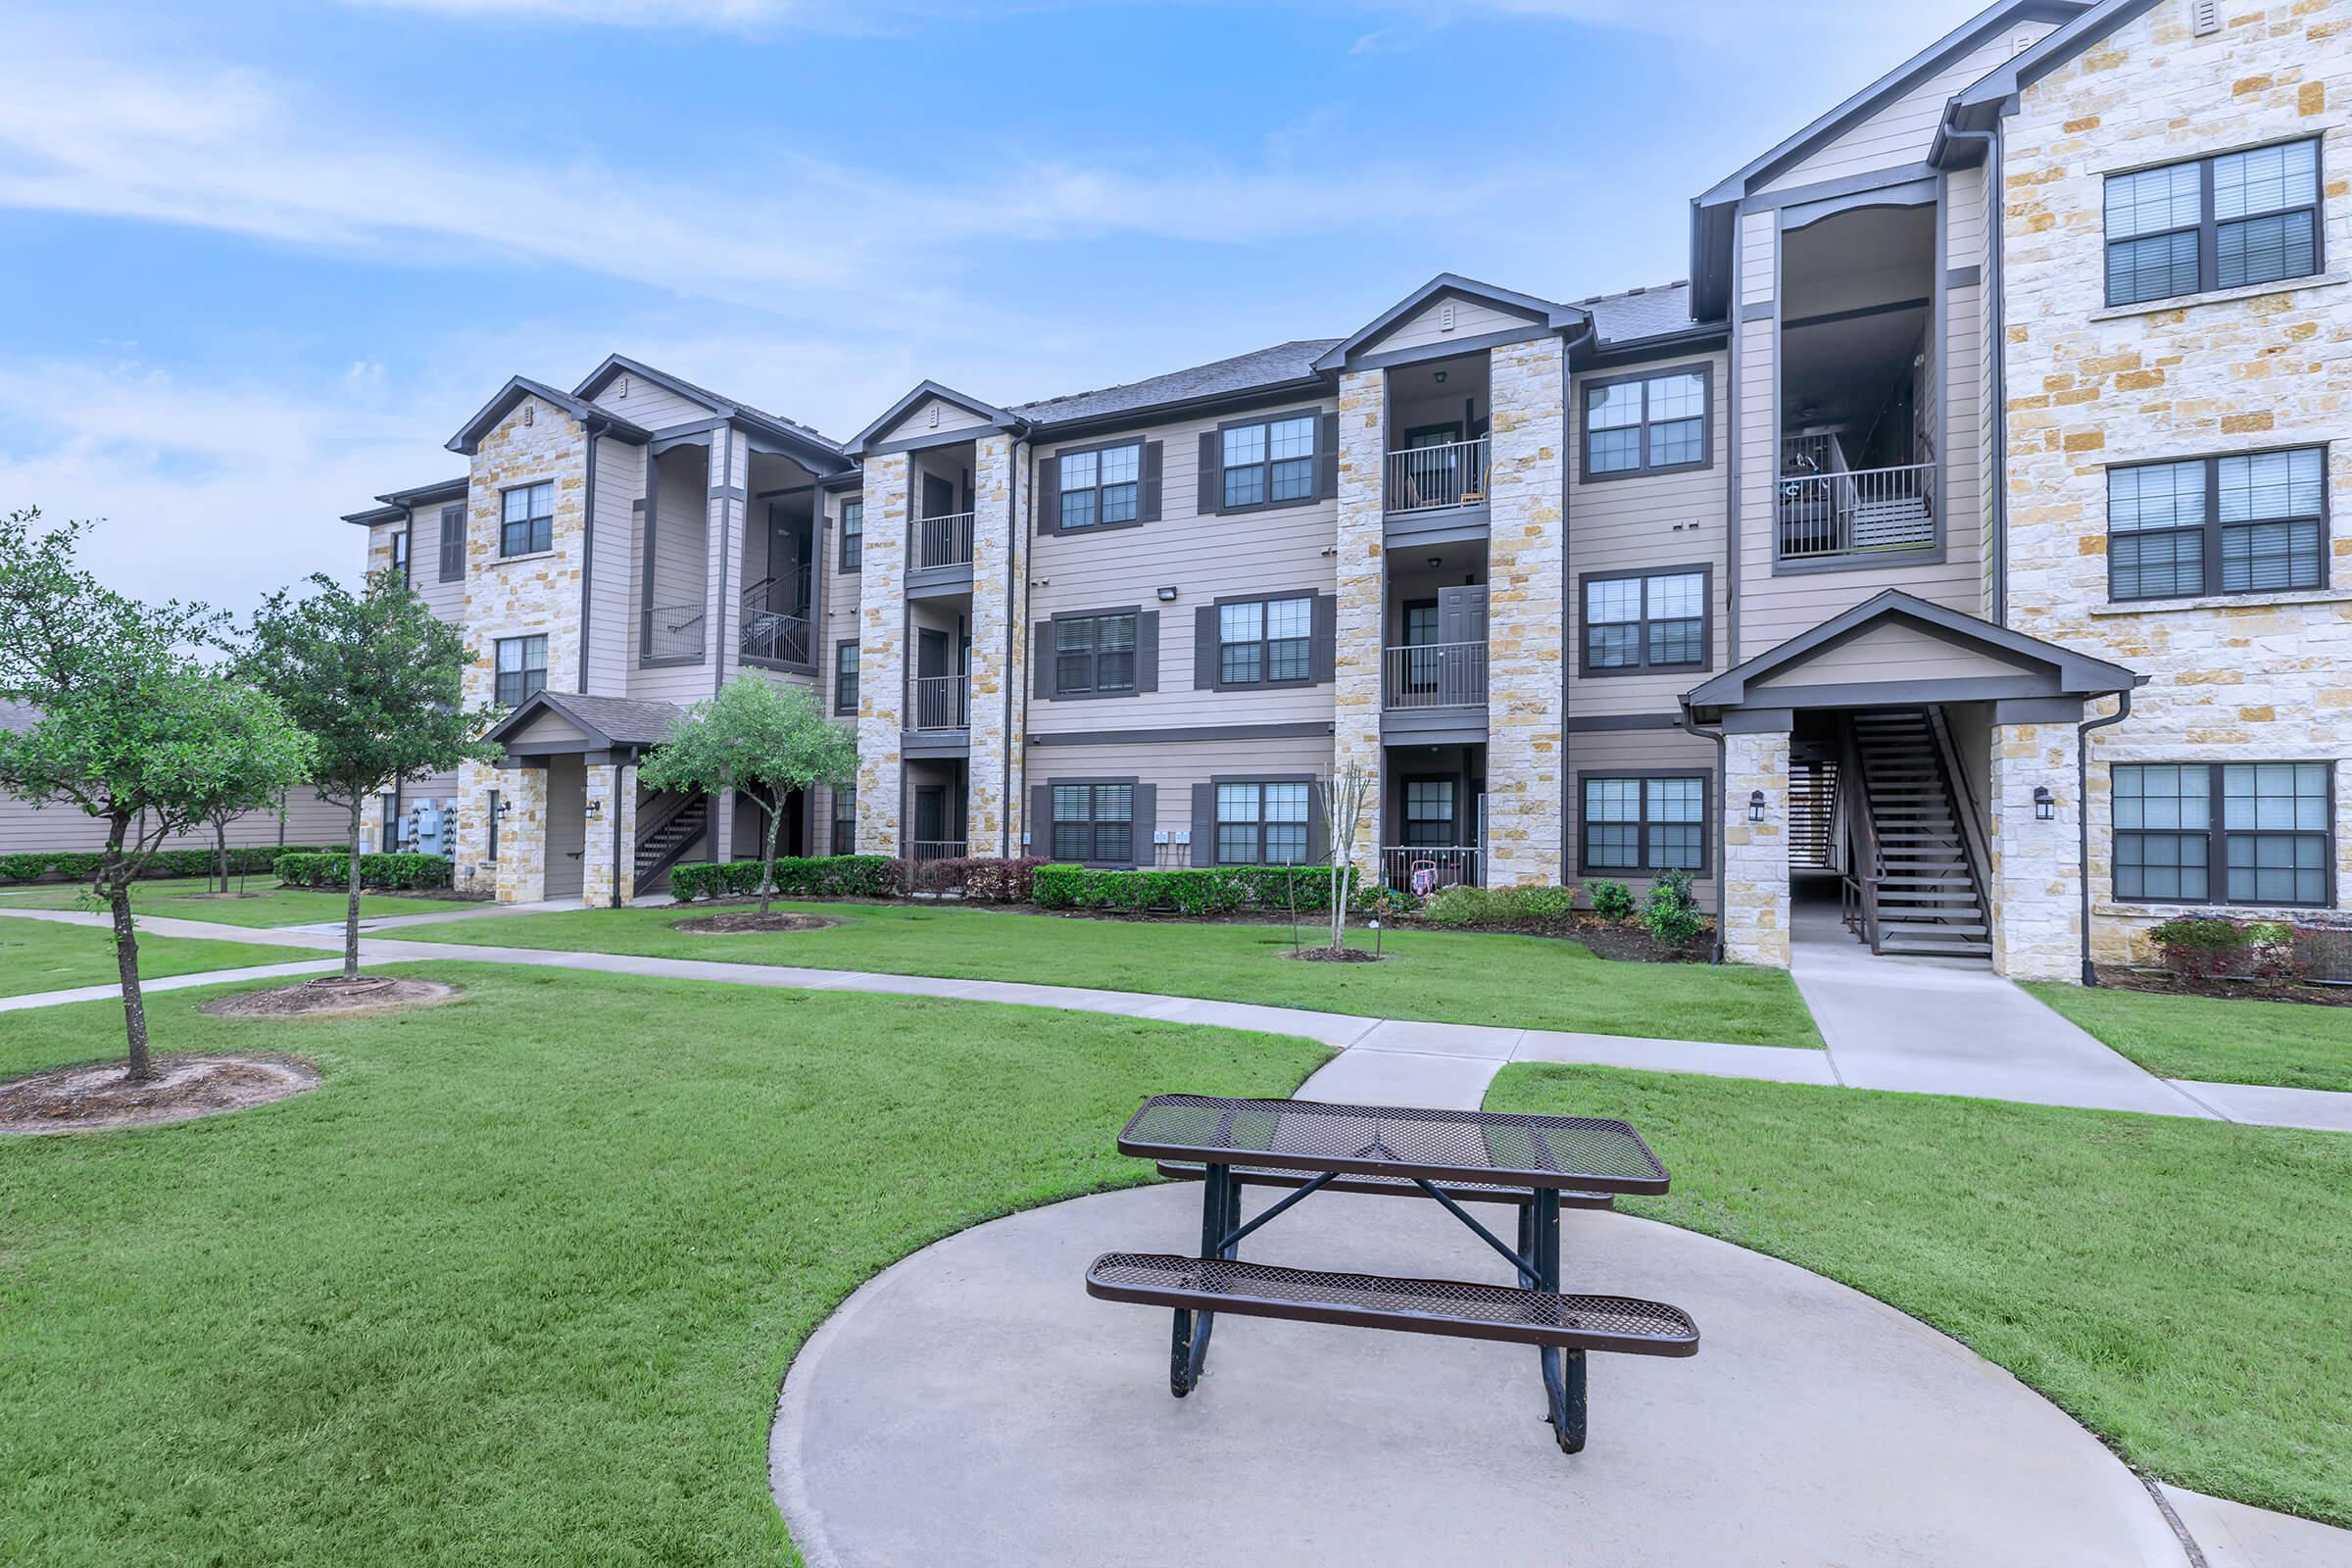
column 1318, row 824
column 1146, row 507
column 1048, row 494
column 1210, row 497
column 1041, row 660
column 1205, row 648
column 1326, row 654
column 1041, row 820
column 1327, row 459
column 1146, row 824
column 1147, row 651
column 453, row 542
column 1204, row 825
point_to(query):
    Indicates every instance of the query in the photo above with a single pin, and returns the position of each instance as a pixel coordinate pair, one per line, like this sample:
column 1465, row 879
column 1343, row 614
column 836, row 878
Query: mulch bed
column 1335, row 955
column 736, row 921
column 2164, row 983
column 96, row 1094
column 333, row 993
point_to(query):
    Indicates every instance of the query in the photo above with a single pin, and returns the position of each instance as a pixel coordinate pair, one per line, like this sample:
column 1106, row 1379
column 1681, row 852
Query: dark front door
column 930, row 818
column 939, row 496
column 930, row 652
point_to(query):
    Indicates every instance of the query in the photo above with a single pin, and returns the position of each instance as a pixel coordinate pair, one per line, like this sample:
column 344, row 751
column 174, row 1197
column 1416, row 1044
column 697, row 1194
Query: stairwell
column 665, row 836
column 1929, row 892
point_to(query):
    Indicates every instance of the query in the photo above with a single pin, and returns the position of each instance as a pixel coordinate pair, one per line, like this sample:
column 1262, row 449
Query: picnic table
column 1453, row 1157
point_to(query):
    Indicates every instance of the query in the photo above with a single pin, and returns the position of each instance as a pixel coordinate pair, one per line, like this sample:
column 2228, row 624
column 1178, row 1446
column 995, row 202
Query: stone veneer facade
column 882, row 653
column 611, row 802
column 2240, row 678
column 1754, row 874
column 1526, row 567
column 999, row 602
column 1363, row 593
column 2036, row 878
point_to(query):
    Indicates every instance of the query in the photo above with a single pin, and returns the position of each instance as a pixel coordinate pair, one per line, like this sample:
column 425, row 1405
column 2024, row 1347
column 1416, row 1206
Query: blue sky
column 261, row 260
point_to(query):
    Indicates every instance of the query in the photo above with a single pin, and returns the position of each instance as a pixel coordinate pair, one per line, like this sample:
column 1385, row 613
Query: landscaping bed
column 95, row 1096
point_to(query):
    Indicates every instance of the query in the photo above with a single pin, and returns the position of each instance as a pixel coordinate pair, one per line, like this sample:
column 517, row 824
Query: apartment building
column 1952, row 544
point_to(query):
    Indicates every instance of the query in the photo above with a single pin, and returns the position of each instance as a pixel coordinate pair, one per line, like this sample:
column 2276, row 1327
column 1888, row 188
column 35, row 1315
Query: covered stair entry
column 1911, row 843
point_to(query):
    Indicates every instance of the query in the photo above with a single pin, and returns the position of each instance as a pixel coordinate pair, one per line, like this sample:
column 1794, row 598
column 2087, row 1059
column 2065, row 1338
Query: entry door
column 1463, row 615
column 939, row 496
column 1434, row 465
column 1462, row 631
column 931, row 652
column 930, row 813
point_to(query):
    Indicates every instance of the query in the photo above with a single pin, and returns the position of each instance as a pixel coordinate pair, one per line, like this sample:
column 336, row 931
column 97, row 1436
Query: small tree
column 1343, row 795
column 131, row 727
column 761, row 739
column 377, row 683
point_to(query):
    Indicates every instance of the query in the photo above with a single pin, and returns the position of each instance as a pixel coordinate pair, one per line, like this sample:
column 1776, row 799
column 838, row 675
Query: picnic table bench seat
column 1385, row 1185
column 1455, row 1308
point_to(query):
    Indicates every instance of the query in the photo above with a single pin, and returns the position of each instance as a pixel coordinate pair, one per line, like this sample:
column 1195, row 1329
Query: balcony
column 942, row 542
column 1438, row 477
column 924, row 851
column 940, row 703
column 774, row 636
column 1434, row 675
column 671, row 634
column 1830, row 512
column 1424, row 868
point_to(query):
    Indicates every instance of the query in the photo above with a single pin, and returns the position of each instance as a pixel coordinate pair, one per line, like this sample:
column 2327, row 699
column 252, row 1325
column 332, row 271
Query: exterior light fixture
column 2045, row 806
column 1439, row 376
column 594, row 808
column 1167, row 595
column 1755, row 805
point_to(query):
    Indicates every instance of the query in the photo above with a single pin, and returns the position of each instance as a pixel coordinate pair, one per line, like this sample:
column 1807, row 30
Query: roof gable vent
column 2204, row 16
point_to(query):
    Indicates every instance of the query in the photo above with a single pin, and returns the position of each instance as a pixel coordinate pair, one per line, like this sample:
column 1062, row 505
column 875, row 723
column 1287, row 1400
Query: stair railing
column 1865, row 864
column 650, row 828
column 1964, row 804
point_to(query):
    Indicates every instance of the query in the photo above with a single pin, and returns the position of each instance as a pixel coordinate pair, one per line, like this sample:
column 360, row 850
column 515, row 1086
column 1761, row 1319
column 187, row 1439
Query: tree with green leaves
column 131, row 725
column 761, row 739
column 377, row 683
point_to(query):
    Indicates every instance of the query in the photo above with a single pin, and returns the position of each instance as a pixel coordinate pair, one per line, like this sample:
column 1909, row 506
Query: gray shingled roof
column 1270, row 366
column 622, row 720
column 1652, row 311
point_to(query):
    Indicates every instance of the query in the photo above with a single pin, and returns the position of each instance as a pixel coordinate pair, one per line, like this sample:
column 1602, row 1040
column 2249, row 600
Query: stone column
column 2037, row 874
column 1755, row 874
column 994, row 780
column 728, row 489
column 1363, row 598
column 611, row 795
column 523, row 836
column 882, row 653
column 473, row 871
column 1526, row 558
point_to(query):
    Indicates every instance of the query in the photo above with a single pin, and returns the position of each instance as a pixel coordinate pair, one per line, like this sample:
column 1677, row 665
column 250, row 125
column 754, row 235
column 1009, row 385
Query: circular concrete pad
column 973, row 1405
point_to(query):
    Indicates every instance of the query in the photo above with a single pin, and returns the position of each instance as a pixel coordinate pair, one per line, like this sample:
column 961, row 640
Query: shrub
column 823, row 876
column 979, row 881
column 2324, row 953
column 1197, row 890
column 332, row 870
column 1527, row 908
column 79, row 865
column 1672, row 915
column 2201, row 945
column 1611, row 901
column 2272, row 946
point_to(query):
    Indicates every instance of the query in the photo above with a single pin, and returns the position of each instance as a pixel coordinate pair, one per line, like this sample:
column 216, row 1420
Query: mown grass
column 1445, row 977
column 2177, row 1286
column 45, row 956
column 258, row 902
column 2218, row 1040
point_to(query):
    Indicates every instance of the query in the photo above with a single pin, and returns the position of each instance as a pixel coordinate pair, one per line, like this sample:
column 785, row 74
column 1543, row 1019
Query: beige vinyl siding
column 612, row 600
column 1205, row 559
column 1644, row 524
column 1959, row 392
column 1627, row 752
column 679, row 565
column 1902, row 130
column 918, row 421
column 1173, row 767
column 1892, row 652
column 1427, row 326
column 446, row 599
column 841, row 598
column 648, row 406
column 1755, row 417
column 27, row 829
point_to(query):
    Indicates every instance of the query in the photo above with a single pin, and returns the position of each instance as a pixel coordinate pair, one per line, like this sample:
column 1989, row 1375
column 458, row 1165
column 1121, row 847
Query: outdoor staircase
column 665, row 836
column 1931, row 898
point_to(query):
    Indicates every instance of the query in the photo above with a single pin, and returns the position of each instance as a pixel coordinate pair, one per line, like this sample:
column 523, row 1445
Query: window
column 401, row 542
column 845, row 819
column 1639, row 825
column 1268, row 464
column 845, row 677
column 1095, row 822
column 1262, row 824
column 853, row 535
column 1645, row 622
column 1646, row 424
column 2273, row 826
column 521, row 670
column 452, row 543
column 2256, row 523
column 528, row 523
column 1100, row 487
column 2218, row 223
column 1266, row 641
column 1094, row 654
column 1429, row 813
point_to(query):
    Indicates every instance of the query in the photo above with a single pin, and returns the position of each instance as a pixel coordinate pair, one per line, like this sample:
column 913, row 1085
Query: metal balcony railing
column 944, row 541
column 1435, row 675
column 1856, row 511
column 1455, row 474
column 1421, row 868
column 769, row 632
column 942, row 702
column 673, row 631
column 926, row 850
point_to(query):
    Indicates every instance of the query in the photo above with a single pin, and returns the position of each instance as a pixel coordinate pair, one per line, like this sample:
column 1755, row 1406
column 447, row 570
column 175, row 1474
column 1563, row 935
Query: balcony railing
column 942, row 702
column 1422, row 869
column 1856, row 511
column 770, row 633
column 1435, row 675
column 1433, row 479
column 673, row 631
column 926, row 850
column 945, row 541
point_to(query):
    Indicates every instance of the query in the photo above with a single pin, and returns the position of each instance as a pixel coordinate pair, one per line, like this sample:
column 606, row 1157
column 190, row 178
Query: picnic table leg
column 1563, row 1370
column 1220, row 1215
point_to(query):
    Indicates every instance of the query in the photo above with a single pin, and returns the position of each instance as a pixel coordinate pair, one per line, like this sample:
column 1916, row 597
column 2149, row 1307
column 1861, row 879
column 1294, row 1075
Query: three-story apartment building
column 1956, row 539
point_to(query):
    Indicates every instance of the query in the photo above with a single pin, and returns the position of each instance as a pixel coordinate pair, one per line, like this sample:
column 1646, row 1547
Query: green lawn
column 43, row 956
column 264, row 903
column 521, row 1282
column 2177, row 1285
column 1448, row 977
column 2218, row 1040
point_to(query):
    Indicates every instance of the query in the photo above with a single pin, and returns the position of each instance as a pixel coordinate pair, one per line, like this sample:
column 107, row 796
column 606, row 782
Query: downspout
column 616, row 782
column 1015, row 536
column 593, row 428
column 1993, row 303
column 2122, row 710
column 1684, row 723
column 1588, row 333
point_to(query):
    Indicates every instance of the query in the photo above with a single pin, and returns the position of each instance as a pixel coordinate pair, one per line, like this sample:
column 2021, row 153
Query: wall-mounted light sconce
column 596, row 808
column 504, row 806
column 1439, row 376
column 1755, row 805
column 1167, row 595
column 2045, row 805
column 1435, row 561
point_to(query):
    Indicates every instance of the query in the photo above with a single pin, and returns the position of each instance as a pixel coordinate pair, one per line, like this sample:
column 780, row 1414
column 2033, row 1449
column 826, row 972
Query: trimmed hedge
column 79, row 865
column 1525, row 908
column 332, row 870
column 1203, row 890
column 978, row 881
column 828, row 876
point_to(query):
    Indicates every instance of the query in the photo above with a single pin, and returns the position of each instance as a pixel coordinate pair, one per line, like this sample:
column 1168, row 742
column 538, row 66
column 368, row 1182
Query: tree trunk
column 116, row 873
column 350, row 908
column 221, row 851
column 768, row 864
